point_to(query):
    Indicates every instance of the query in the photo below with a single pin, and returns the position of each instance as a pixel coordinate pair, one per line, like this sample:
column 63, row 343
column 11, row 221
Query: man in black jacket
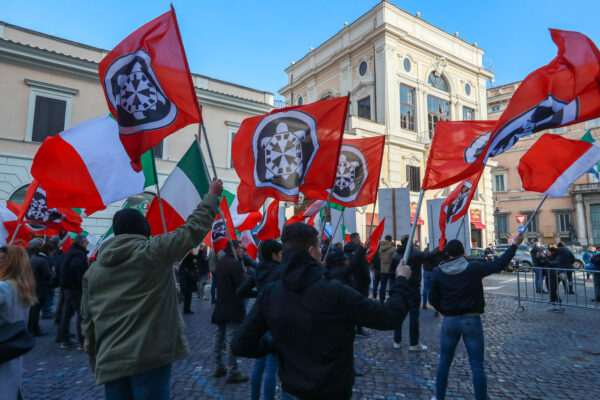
column 189, row 275
column 72, row 268
column 566, row 259
column 457, row 292
column 43, row 274
column 311, row 321
column 357, row 256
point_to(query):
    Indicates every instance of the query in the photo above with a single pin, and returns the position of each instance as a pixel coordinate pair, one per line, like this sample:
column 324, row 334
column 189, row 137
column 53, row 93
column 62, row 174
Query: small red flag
column 220, row 227
column 374, row 240
column 269, row 225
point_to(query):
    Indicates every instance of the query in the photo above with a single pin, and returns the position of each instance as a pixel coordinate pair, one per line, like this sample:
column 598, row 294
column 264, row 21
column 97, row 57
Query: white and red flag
column 269, row 225
column 249, row 244
column 243, row 221
column 553, row 163
column 148, row 86
column 287, row 151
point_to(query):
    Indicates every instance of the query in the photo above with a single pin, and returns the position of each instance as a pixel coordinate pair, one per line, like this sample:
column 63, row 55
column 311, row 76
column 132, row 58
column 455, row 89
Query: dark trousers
column 384, row 283
column 376, row 280
column 71, row 305
column 33, row 324
column 59, row 306
column 187, row 301
column 153, row 384
column 553, row 282
column 413, row 320
column 570, row 279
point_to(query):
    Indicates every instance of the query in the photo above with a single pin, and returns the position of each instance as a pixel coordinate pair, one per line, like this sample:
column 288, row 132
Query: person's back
column 130, row 317
column 386, row 252
column 311, row 321
column 229, row 275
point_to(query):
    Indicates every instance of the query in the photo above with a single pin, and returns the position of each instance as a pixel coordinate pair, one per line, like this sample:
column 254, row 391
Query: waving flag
column 455, row 146
column 269, row 225
column 86, row 166
column 287, row 151
column 249, row 244
column 374, row 240
column 243, row 221
column 553, row 163
column 595, row 170
column 181, row 193
column 148, row 86
column 220, row 227
column 5, row 216
column 358, row 171
column 457, row 203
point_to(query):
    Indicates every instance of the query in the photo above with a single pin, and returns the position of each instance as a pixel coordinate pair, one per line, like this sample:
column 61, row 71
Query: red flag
column 564, row 92
column 220, row 227
column 358, row 171
column 287, row 151
column 148, row 86
column 269, row 225
column 35, row 213
column 457, row 203
column 374, row 240
column 455, row 145
column 249, row 244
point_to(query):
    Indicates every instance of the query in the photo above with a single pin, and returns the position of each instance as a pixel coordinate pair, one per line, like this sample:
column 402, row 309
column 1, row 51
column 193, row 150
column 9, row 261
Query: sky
column 250, row 43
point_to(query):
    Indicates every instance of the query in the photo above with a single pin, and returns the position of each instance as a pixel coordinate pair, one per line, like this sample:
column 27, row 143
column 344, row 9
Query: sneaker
column 80, row 347
column 559, row 309
column 397, row 345
column 237, row 378
column 220, row 372
column 67, row 344
column 417, row 347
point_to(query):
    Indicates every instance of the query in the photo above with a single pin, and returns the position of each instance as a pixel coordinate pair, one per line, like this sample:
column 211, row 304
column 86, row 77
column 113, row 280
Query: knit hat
column 130, row 220
column 79, row 239
column 336, row 256
column 35, row 242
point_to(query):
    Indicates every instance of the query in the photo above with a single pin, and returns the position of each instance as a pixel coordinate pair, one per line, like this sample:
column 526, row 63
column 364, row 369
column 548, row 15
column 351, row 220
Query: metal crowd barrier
column 571, row 285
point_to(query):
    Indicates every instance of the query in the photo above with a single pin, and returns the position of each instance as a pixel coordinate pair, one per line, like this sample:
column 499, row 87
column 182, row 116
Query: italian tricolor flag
column 86, row 166
column 181, row 193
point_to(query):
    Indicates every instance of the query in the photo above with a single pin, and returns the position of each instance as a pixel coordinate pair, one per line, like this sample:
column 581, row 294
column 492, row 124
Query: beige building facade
column 403, row 75
column 573, row 218
column 48, row 84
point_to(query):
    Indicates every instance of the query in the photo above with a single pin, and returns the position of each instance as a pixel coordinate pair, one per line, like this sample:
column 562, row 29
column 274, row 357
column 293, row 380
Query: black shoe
column 40, row 333
column 220, row 372
column 593, row 300
column 188, row 312
column 362, row 333
column 237, row 378
column 424, row 306
column 68, row 343
column 544, row 292
column 571, row 292
column 356, row 373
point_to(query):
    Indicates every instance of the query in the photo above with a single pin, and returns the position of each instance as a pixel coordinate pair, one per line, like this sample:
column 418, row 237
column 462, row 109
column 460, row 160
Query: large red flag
column 287, row 151
column 358, row 171
column 564, row 92
column 148, row 86
column 457, row 203
column 374, row 240
column 455, row 145
column 269, row 225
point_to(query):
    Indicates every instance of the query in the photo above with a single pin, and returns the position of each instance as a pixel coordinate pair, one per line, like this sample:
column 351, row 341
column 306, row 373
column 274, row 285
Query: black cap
column 130, row 220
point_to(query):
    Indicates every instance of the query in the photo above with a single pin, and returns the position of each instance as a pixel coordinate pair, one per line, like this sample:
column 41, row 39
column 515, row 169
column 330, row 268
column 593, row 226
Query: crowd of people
column 311, row 302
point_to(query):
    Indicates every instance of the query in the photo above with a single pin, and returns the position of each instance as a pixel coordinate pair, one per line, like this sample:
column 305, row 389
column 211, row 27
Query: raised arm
column 249, row 339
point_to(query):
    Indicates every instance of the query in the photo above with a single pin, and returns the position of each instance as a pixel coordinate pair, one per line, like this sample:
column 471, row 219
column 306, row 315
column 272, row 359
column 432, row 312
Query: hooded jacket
column 229, row 277
column 72, row 267
column 312, row 324
column 131, row 321
column 360, row 266
column 456, row 288
column 265, row 272
column 386, row 252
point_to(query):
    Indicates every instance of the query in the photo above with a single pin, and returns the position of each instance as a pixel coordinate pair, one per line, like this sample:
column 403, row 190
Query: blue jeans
column 384, row 284
column 48, row 305
column 426, row 282
column 268, row 365
column 287, row 396
column 413, row 321
column 213, row 289
column 153, row 384
column 471, row 330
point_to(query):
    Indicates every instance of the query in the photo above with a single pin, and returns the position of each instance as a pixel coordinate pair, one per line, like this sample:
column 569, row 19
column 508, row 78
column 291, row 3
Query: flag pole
column 12, row 239
column 532, row 216
column 208, row 177
column 413, row 227
column 373, row 216
column 329, row 210
column 333, row 234
column 160, row 207
column 462, row 222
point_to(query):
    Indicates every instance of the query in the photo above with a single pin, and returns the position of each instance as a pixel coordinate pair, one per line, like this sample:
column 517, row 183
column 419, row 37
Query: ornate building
column 403, row 76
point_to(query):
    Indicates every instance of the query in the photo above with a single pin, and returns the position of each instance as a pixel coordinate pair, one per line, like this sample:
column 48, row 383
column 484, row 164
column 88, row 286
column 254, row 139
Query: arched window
column 141, row 201
column 19, row 195
column 438, row 82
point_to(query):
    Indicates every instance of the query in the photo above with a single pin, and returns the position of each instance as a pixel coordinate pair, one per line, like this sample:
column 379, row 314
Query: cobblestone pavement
column 529, row 355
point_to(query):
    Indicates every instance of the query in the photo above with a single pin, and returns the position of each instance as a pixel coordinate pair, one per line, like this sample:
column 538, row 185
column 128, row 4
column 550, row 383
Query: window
column 364, row 108
column 502, row 224
column 533, row 226
column 467, row 89
column 563, row 222
column 413, row 175
column 362, row 68
column 499, row 185
column 437, row 110
column 468, row 114
column 158, row 150
column 407, row 108
column 49, row 110
column 19, row 195
column 406, row 64
column 300, row 101
column 232, row 128
column 438, row 82
column 495, row 108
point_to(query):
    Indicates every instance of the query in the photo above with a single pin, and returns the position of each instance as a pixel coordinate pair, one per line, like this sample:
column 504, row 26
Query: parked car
column 476, row 255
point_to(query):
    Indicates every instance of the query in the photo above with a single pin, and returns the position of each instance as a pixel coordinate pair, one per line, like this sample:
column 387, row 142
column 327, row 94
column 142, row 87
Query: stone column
column 581, row 237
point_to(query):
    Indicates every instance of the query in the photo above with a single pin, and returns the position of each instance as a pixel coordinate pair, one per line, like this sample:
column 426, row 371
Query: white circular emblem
column 352, row 172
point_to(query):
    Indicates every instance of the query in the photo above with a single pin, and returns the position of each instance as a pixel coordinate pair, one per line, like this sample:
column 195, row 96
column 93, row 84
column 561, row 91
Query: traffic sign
column 521, row 219
column 521, row 229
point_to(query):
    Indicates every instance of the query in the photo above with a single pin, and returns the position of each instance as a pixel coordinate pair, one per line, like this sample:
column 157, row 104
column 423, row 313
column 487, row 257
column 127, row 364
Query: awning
column 419, row 221
column 478, row 225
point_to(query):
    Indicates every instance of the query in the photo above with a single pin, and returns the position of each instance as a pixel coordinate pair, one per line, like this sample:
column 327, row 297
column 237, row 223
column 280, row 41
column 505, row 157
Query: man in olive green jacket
column 131, row 323
column 387, row 248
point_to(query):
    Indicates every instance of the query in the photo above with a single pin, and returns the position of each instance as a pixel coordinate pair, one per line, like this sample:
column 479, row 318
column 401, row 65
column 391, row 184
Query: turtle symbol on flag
column 134, row 91
column 351, row 174
column 284, row 145
column 218, row 231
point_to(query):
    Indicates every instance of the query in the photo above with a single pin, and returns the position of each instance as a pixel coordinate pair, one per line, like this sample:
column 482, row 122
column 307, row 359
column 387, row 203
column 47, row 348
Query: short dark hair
column 388, row 237
column 268, row 248
column 299, row 235
column 561, row 244
column 404, row 240
column 454, row 248
column 231, row 245
column 354, row 235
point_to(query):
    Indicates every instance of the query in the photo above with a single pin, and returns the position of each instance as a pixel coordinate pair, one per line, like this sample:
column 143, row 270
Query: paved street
column 529, row 355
